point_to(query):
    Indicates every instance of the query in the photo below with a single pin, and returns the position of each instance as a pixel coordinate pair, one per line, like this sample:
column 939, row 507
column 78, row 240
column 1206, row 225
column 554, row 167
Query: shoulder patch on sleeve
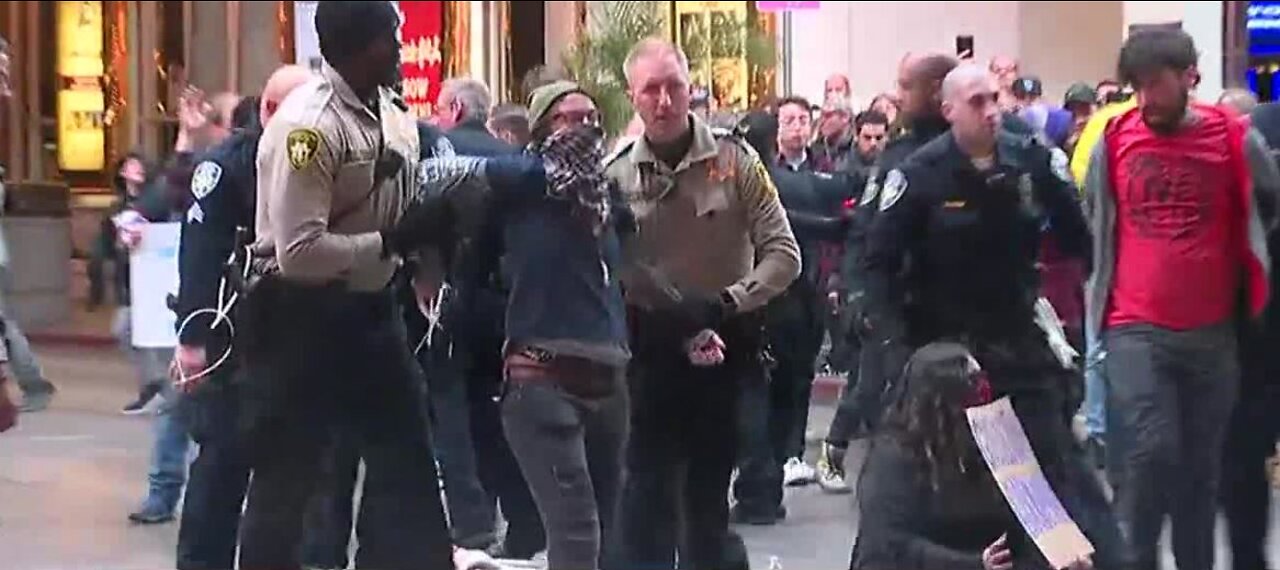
column 1060, row 164
column 895, row 185
column 303, row 145
column 765, row 180
column 205, row 178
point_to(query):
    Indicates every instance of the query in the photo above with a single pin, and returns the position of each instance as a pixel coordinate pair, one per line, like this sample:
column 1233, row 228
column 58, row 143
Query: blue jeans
column 170, row 444
column 21, row 359
column 1095, row 391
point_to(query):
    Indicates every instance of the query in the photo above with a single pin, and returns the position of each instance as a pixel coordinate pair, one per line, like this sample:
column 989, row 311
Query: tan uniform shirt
column 714, row 223
column 331, row 174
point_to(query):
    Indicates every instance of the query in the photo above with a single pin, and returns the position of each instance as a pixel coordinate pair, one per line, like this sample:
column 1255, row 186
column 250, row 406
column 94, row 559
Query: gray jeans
column 1170, row 397
column 21, row 359
column 570, row 450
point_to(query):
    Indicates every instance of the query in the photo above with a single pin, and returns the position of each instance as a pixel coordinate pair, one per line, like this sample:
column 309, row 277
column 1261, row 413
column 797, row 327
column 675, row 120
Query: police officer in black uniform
column 223, row 190
column 968, row 214
column 919, row 87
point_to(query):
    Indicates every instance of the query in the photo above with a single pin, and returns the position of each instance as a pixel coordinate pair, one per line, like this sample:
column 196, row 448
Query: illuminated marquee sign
column 81, row 104
column 421, row 59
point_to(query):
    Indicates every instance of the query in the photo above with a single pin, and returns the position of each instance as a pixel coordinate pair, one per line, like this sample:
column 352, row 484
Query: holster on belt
column 576, row 376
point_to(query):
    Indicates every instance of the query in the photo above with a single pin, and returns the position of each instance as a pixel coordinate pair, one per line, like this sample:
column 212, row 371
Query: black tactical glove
column 429, row 221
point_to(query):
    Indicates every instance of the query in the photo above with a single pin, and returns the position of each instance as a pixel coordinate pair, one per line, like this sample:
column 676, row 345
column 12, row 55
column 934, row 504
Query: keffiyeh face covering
column 574, row 161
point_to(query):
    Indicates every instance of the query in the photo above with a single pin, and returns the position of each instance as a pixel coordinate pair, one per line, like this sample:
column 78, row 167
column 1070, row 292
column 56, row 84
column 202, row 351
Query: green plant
column 598, row 55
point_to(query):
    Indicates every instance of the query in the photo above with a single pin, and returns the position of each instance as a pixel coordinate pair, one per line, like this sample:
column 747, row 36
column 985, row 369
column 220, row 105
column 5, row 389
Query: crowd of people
column 533, row 345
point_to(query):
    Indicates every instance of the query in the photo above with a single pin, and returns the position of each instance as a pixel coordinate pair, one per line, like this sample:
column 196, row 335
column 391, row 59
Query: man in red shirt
column 1179, row 243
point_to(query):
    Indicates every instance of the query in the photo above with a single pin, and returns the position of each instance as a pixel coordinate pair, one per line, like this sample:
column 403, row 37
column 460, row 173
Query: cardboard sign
column 1008, row 454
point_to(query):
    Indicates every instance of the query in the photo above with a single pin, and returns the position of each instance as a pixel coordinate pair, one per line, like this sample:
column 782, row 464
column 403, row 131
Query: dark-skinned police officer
column 712, row 237
column 919, row 88
column 223, row 188
column 772, row 424
column 968, row 214
column 326, row 350
column 329, row 524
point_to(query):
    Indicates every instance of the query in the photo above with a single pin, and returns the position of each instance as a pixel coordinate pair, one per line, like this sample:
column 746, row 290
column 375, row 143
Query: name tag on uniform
column 954, row 204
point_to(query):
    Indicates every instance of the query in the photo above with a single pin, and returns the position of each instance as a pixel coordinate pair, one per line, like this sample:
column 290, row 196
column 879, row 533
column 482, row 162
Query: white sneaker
column 797, row 473
column 831, row 477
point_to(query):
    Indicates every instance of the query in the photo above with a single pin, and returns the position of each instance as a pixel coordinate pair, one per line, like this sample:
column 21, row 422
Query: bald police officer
column 713, row 248
column 326, row 350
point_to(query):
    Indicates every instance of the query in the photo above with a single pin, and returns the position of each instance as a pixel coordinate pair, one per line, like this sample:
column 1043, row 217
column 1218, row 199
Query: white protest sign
column 153, row 276
column 1004, row 445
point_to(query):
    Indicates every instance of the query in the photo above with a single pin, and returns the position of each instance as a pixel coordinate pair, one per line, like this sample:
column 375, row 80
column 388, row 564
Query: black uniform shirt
column 972, row 240
column 223, row 187
column 898, row 149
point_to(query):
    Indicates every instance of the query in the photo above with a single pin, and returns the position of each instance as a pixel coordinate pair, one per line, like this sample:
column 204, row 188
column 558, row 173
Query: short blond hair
column 654, row 47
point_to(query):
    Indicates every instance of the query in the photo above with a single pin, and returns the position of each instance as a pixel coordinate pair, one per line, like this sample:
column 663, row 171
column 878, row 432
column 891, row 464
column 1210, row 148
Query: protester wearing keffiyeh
column 574, row 161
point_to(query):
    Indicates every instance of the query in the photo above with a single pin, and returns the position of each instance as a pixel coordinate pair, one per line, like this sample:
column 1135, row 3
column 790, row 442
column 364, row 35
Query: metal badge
column 1060, row 164
column 895, row 185
column 205, row 179
column 871, row 190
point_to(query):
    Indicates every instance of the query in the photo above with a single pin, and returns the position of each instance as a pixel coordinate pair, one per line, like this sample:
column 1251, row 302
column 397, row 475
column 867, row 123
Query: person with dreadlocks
column 926, row 498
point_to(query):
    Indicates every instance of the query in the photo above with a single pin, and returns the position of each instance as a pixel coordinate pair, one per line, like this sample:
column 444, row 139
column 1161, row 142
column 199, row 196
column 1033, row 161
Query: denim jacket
column 563, row 280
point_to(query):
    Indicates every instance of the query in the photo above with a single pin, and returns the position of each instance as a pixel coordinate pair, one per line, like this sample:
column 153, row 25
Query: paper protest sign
column 1008, row 453
column 153, row 276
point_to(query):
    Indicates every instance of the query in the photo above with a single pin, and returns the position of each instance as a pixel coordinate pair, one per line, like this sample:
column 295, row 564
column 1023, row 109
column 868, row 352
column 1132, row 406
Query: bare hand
column 131, row 237
column 193, row 111
column 187, row 364
column 705, row 349
column 997, row 556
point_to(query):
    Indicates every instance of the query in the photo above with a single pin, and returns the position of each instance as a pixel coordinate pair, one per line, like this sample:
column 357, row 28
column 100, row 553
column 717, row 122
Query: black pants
column 758, row 488
column 331, row 511
column 864, row 399
column 499, row 473
column 325, row 362
column 1251, row 439
column 795, row 336
column 471, row 513
column 1170, row 396
column 682, row 452
column 218, row 478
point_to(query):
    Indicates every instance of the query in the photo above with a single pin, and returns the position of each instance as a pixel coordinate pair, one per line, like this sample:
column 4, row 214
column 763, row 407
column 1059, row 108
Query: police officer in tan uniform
column 713, row 247
column 323, row 344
